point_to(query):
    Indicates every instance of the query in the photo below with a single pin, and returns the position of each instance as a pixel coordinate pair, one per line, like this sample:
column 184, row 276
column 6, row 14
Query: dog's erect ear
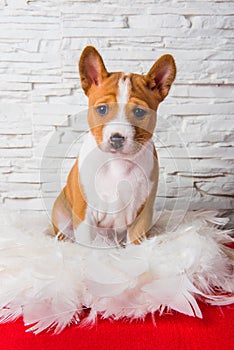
column 91, row 67
column 162, row 75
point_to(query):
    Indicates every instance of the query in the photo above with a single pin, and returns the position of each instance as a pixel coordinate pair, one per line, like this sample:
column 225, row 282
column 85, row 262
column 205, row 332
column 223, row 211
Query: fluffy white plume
column 50, row 282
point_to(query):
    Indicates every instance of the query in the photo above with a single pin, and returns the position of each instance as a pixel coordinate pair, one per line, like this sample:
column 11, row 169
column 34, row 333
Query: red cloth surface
column 171, row 332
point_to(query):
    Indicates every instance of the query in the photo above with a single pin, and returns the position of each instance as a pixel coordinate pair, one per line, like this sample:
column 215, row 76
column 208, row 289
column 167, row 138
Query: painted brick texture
column 42, row 109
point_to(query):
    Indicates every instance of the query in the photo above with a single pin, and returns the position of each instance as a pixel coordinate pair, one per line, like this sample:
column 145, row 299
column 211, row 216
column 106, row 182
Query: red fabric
column 172, row 332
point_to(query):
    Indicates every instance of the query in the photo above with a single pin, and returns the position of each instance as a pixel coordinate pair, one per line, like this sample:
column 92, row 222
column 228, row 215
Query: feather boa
column 51, row 282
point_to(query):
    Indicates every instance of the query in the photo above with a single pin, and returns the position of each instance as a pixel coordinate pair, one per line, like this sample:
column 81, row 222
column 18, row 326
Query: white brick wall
column 41, row 98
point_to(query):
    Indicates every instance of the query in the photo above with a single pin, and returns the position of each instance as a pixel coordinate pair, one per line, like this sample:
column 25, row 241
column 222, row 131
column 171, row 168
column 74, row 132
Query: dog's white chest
column 115, row 186
column 121, row 189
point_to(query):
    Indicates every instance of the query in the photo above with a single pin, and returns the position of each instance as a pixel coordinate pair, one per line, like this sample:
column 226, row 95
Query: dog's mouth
column 131, row 147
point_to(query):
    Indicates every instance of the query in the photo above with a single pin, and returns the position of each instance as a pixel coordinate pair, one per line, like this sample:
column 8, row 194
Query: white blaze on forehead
column 120, row 124
column 123, row 92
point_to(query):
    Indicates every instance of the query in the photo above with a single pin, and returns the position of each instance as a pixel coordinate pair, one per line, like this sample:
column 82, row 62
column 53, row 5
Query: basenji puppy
column 113, row 183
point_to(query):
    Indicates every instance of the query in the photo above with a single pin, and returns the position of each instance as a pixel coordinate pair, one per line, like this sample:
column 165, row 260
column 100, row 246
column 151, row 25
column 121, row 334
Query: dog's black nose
column 117, row 141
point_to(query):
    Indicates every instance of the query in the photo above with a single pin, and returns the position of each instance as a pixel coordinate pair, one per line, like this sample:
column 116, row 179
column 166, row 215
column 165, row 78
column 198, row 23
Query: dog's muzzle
column 117, row 141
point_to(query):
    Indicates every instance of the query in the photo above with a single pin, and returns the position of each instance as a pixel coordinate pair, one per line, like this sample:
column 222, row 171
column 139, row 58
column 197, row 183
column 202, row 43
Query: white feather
column 49, row 283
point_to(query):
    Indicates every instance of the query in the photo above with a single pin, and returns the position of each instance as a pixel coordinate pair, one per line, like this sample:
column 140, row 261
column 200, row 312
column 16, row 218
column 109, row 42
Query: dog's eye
column 102, row 110
column 139, row 113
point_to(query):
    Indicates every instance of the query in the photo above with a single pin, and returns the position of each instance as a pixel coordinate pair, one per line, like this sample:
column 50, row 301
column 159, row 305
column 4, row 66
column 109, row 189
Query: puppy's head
column 122, row 108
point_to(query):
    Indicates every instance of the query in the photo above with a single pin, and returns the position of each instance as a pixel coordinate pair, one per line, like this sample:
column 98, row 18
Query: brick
column 202, row 7
column 197, row 167
column 98, row 21
column 13, row 141
column 49, row 119
column 196, row 42
column 23, row 194
column 216, row 186
column 158, row 21
column 204, row 91
column 197, row 152
column 16, row 3
column 15, row 87
column 198, row 109
column 5, row 163
column 219, row 22
column 24, row 204
column 16, row 152
column 28, row 17
column 108, row 9
column 28, row 34
column 54, row 109
column 23, row 128
column 24, row 177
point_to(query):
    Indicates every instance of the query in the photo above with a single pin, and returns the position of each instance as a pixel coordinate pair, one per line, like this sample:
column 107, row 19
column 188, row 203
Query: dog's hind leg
column 62, row 218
